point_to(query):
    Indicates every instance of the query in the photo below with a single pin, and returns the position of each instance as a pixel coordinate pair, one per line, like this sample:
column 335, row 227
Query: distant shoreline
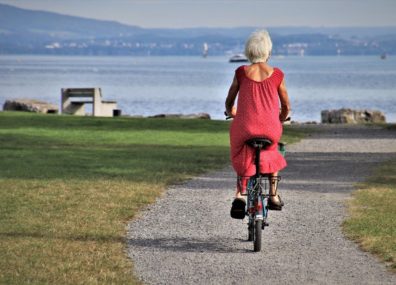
column 226, row 56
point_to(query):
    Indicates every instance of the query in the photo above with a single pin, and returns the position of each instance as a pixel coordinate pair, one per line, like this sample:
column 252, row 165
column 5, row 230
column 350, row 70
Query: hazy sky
column 225, row 13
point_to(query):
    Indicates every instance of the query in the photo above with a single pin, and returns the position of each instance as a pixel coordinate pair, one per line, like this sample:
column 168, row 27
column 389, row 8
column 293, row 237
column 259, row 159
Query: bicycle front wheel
column 257, row 235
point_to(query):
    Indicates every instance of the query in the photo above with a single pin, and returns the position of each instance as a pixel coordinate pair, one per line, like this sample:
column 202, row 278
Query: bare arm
column 284, row 99
column 232, row 93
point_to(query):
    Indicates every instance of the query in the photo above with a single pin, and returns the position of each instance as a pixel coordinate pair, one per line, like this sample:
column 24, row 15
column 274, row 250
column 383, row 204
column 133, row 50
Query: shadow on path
column 188, row 244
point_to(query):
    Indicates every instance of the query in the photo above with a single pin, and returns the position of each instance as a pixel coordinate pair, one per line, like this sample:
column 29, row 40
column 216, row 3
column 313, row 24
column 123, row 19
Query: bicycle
column 257, row 191
column 258, row 194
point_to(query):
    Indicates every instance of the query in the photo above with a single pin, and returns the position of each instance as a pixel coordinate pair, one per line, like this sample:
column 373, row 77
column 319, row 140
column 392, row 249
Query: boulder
column 30, row 105
column 349, row 116
column 205, row 116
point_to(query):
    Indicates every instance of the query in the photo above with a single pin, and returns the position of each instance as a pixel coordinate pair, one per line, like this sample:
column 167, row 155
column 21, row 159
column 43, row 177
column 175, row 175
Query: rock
column 30, row 105
column 205, row 116
column 349, row 116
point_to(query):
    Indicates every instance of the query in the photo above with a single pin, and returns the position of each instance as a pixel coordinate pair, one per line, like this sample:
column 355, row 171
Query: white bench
column 74, row 100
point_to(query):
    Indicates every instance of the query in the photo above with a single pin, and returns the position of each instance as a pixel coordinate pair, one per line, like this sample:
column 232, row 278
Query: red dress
column 257, row 116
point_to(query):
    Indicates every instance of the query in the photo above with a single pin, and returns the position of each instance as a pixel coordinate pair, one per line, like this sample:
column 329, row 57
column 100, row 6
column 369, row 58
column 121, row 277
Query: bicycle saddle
column 259, row 143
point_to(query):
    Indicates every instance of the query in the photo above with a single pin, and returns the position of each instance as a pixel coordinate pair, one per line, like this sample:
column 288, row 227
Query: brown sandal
column 276, row 206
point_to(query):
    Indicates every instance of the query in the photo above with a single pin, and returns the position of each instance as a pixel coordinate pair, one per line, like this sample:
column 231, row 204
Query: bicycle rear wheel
column 257, row 235
column 251, row 230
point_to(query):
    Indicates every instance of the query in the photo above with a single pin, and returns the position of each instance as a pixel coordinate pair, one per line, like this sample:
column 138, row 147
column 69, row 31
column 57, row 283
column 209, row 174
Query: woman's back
column 259, row 72
column 257, row 116
column 258, row 102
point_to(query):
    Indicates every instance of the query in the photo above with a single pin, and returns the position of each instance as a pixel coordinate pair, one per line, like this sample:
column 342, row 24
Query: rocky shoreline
column 350, row 116
column 30, row 105
column 340, row 116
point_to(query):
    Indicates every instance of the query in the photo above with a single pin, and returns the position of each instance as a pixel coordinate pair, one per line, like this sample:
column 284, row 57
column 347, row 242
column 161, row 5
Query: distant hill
column 16, row 20
column 38, row 32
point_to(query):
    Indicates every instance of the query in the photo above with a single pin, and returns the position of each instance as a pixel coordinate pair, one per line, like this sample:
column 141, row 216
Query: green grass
column 391, row 127
column 372, row 215
column 68, row 186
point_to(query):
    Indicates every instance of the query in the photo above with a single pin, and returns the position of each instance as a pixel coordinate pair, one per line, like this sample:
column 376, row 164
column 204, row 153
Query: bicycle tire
column 250, row 230
column 257, row 235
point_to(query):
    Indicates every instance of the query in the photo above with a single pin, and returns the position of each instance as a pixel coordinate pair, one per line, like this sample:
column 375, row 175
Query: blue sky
column 225, row 13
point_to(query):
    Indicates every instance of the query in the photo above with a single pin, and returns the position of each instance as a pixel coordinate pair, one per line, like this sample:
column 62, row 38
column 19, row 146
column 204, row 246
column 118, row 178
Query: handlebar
column 227, row 116
column 288, row 119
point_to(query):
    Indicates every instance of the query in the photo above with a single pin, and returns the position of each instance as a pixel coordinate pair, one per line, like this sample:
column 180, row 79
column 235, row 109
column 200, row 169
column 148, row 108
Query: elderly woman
column 261, row 92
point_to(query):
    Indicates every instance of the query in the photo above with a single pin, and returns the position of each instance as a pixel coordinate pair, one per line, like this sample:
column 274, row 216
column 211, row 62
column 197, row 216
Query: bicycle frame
column 257, row 197
column 258, row 188
column 257, row 210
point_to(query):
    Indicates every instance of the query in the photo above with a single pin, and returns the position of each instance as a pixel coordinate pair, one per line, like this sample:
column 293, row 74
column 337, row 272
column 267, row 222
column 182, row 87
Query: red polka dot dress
column 257, row 116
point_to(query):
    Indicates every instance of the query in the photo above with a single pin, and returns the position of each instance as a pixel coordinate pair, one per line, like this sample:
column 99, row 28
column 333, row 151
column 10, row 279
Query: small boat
column 205, row 50
column 238, row 58
column 383, row 55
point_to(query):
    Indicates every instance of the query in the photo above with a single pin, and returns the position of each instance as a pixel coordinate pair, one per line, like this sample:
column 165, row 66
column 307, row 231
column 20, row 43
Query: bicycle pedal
column 265, row 224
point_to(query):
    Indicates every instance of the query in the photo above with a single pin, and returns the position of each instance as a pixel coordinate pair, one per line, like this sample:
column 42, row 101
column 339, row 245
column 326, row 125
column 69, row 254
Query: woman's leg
column 241, row 186
column 242, row 183
column 273, row 188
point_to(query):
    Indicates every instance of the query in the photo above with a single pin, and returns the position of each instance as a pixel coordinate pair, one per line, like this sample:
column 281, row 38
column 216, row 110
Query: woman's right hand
column 285, row 103
column 231, row 114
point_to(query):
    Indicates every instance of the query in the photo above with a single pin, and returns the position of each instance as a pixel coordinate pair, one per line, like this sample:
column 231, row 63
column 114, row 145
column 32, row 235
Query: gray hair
column 258, row 47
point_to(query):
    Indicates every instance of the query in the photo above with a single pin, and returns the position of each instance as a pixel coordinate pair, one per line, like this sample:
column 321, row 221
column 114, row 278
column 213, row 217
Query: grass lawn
column 372, row 220
column 68, row 186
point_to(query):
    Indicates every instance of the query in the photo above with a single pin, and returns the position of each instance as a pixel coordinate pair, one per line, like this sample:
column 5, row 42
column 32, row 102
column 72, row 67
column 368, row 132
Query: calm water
column 153, row 85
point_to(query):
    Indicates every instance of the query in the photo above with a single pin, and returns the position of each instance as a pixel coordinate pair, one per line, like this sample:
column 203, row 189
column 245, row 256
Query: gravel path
column 188, row 237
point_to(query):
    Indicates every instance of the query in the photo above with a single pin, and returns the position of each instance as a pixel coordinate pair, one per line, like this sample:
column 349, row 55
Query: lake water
column 153, row 85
